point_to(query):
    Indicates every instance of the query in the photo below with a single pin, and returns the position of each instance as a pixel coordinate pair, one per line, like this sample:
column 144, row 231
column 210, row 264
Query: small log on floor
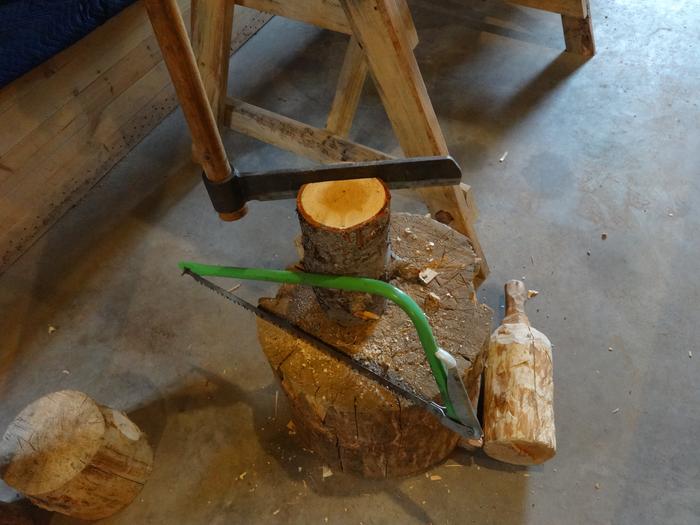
column 353, row 423
column 70, row 455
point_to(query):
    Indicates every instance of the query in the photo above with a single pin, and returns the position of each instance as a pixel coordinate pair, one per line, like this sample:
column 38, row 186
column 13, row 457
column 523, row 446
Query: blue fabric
column 31, row 31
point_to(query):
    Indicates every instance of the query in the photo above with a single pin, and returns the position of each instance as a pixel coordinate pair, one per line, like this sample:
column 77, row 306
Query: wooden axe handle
column 171, row 34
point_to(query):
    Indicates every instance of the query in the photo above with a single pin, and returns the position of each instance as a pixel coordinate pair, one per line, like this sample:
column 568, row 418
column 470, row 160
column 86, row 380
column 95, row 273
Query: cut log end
column 342, row 204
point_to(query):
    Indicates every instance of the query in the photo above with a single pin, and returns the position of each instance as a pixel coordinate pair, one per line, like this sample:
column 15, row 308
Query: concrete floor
column 610, row 145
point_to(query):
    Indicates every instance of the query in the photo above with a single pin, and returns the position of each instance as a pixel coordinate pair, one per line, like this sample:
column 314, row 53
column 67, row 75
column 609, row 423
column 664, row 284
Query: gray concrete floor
column 610, row 145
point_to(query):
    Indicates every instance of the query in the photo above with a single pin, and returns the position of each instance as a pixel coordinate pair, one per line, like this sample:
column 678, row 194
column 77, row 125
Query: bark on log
column 70, row 455
column 518, row 393
column 353, row 423
column 345, row 231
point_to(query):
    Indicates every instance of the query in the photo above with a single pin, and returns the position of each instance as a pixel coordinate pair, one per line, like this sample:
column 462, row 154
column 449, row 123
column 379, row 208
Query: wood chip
column 243, row 475
column 503, row 157
column 327, row 472
column 427, row 275
column 52, row 329
column 435, row 477
column 276, row 512
column 616, row 411
column 367, row 316
column 532, row 293
column 234, row 288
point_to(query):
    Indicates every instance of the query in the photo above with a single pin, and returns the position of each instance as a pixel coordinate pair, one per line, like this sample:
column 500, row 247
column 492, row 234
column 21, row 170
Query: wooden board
column 70, row 120
column 573, row 8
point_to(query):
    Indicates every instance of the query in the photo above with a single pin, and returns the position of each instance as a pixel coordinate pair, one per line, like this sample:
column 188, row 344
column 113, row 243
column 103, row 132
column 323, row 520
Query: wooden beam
column 379, row 28
column 578, row 34
column 348, row 91
column 322, row 13
column 212, row 22
column 297, row 137
column 572, row 8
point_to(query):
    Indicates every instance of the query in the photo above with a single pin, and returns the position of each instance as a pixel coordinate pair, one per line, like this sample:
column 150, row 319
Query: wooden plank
column 211, row 33
column 297, row 137
column 322, row 13
column 93, row 56
column 578, row 35
column 378, row 26
column 348, row 90
column 89, row 135
column 572, row 8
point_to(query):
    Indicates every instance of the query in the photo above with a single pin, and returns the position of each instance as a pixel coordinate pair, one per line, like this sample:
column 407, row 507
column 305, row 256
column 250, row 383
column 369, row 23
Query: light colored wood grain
column 573, row 8
column 297, row 137
column 85, row 134
column 171, row 33
column 322, row 13
column 378, row 26
column 348, row 90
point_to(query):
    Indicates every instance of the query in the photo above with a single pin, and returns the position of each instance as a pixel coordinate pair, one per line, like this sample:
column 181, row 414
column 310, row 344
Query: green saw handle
column 350, row 284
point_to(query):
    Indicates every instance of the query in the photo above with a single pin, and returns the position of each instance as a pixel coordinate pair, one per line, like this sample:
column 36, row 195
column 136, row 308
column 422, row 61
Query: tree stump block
column 353, row 423
column 70, row 455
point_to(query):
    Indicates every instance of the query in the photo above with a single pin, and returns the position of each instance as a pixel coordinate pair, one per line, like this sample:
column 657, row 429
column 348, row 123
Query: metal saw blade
column 336, row 353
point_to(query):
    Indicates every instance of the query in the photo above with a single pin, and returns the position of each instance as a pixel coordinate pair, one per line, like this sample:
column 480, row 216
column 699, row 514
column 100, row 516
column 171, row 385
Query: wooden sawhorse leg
column 377, row 25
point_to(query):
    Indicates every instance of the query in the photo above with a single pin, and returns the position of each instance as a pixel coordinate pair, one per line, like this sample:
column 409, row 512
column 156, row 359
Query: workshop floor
column 610, row 145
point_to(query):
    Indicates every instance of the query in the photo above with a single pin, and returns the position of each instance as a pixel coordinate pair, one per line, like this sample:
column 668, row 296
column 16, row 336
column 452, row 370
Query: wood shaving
column 427, row 275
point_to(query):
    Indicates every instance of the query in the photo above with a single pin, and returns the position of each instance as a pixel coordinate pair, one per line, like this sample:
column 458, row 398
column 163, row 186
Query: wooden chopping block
column 519, row 389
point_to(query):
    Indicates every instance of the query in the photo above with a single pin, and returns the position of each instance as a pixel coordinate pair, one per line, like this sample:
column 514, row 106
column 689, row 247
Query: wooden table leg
column 578, row 32
column 378, row 26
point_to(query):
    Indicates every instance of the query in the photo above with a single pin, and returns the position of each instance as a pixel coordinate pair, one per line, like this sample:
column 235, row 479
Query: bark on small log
column 518, row 393
column 70, row 455
column 345, row 231
column 352, row 422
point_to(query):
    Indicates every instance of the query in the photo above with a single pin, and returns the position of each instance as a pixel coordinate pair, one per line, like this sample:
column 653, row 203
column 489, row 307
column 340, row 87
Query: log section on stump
column 345, row 231
column 70, row 455
column 352, row 422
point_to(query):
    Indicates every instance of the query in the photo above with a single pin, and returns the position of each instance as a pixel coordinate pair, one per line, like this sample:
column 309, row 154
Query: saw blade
column 336, row 353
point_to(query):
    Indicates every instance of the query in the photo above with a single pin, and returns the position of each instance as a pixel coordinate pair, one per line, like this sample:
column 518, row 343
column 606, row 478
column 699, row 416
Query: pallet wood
column 68, row 454
column 77, row 115
column 351, row 422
